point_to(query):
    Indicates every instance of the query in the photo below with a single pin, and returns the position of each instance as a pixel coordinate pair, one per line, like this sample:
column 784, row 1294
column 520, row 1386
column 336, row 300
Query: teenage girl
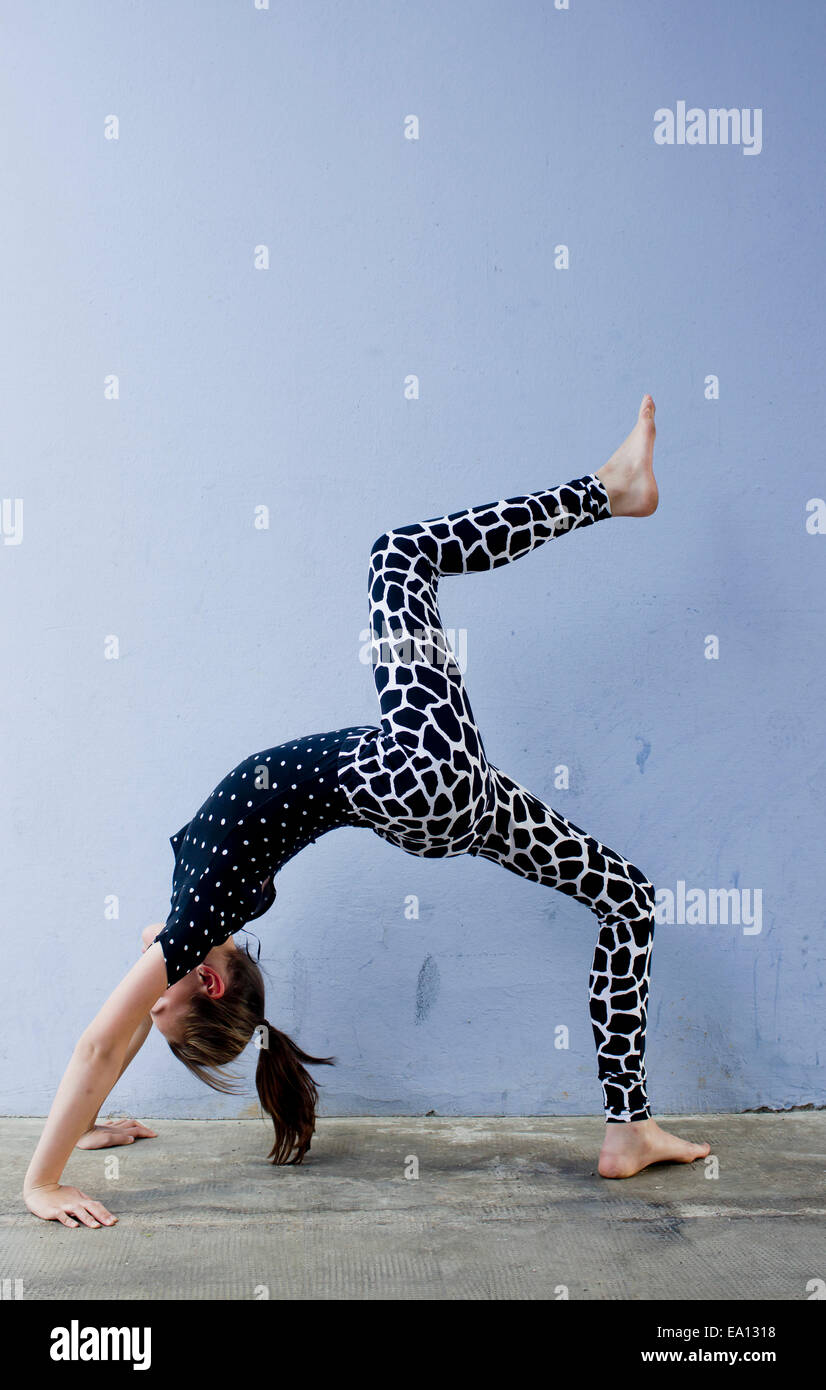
column 420, row 780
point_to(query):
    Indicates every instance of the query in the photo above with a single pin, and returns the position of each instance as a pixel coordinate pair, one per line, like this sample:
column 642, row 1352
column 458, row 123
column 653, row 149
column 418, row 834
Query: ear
column 213, row 985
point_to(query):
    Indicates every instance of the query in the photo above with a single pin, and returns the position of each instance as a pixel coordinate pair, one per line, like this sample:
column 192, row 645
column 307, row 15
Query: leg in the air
column 422, row 781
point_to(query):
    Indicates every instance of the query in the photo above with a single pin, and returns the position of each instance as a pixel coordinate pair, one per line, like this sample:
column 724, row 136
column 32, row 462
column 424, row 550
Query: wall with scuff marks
column 659, row 681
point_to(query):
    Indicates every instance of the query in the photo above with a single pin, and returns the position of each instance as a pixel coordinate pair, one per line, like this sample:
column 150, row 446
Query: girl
column 422, row 781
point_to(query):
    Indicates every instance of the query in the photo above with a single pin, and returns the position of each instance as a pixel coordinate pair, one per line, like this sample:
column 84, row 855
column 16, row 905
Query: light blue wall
column 284, row 388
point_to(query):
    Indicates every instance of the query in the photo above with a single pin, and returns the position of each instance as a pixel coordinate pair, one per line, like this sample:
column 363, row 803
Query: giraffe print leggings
column 423, row 782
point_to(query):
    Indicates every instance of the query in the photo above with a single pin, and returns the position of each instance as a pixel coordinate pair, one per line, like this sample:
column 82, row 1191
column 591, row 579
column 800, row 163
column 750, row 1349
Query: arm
column 137, row 1041
column 111, row 1133
column 97, row 1062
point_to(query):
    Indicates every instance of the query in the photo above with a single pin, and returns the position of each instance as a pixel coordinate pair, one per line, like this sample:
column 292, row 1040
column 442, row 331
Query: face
column 172, row 1007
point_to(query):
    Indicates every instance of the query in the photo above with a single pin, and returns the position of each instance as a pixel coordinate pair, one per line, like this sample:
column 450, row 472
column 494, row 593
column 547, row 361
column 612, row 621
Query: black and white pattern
column 423, row 782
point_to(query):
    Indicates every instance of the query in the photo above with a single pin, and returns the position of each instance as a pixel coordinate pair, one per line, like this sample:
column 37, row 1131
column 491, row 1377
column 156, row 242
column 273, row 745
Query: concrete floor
column 501, row 1209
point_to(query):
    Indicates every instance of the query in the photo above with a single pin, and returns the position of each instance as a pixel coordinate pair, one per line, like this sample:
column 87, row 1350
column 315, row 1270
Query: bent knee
column 644, row 890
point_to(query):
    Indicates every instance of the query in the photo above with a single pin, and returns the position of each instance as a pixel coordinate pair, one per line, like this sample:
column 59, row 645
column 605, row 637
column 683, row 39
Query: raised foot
column 628, row 476
column 628, row 1148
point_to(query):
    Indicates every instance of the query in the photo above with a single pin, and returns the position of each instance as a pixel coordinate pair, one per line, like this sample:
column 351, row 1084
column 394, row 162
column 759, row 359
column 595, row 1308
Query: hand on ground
column 69, row 1205
column 106, row 1134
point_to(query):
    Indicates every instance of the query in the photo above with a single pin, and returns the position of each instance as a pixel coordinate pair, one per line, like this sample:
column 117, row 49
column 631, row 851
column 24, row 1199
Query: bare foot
column 628, row 476
column 628, row 1148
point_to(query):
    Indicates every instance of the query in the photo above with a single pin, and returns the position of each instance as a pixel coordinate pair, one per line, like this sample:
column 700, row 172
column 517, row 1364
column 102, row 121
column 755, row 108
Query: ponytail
column 287, row 1092
column 216, row 1031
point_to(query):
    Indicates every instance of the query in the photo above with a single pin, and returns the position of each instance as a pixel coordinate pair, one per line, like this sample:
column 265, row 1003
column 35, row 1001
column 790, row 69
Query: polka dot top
column 267, row 809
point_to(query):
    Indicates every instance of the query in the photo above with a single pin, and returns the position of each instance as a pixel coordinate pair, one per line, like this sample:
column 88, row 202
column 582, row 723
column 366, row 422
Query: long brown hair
column 216, row 1031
